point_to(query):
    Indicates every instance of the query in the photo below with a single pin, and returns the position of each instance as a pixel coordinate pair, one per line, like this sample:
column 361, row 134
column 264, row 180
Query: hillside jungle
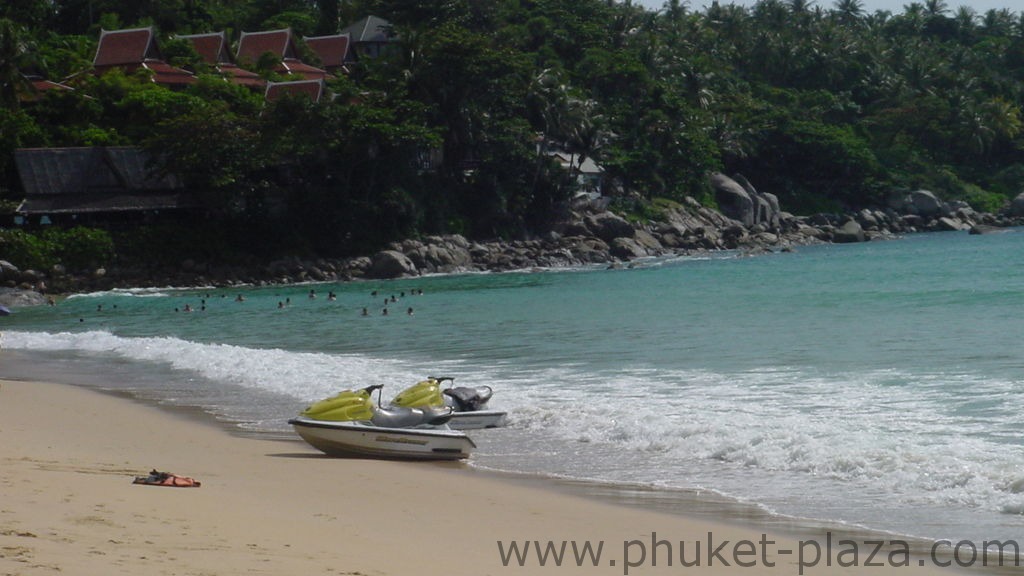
column 831, row 108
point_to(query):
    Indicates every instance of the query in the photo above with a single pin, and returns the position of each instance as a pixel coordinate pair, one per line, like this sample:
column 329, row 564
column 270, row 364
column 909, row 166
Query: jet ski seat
column 469, row 399
column 401, row 417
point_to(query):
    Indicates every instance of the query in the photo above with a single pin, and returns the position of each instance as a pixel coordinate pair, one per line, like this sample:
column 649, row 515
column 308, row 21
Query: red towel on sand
column 167, row 479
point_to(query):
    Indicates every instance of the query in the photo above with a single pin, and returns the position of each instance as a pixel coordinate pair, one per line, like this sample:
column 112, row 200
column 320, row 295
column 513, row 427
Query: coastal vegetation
column 831, row 109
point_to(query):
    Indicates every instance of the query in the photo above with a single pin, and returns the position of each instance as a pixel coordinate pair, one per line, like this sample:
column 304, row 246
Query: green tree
column 15, row 55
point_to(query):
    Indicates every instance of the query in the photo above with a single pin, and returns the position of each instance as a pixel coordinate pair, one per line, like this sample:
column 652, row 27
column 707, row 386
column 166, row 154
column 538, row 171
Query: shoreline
column 592, row 236
column 528, row 507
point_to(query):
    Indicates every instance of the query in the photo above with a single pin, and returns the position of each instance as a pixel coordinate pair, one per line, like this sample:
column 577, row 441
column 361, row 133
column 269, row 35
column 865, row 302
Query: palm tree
column 934, row 8
column 849, row 11
column 964, row 22
column 997, row 22
column 982, row 124
column 584, row 133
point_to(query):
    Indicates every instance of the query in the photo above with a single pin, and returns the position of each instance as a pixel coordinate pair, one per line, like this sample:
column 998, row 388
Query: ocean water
column 877, row 385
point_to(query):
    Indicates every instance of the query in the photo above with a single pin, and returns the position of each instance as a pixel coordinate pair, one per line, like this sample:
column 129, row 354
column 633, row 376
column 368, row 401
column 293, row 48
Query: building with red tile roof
column 40, row 87
column 313, row 89
column 213, row 49
column 135, row 49
column 333, row 51
column 281, row 44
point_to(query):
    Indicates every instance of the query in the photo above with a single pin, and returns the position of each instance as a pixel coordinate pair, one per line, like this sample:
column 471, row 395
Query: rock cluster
column 748, row 220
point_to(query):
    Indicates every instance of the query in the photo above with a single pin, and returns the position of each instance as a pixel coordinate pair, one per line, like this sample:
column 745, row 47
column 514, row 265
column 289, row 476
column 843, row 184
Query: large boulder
column 608, row 226
column 441, row 254
column 926, row 203
column 740, row 201
column 16, row 297
column 765, row 206
column 390, row 264
column 627, row 249
column 946, row 224
column 1017, row 206
column 8, row 271
column 985, row 229
column 848, row 233
column 648, row 242
column 733, row 200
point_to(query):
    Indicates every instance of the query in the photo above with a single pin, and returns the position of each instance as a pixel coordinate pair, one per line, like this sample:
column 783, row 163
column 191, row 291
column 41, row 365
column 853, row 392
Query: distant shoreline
column 593, row 237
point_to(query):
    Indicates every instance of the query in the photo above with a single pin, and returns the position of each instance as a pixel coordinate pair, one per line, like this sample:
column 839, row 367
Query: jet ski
column 349, row 424
column 468, row 404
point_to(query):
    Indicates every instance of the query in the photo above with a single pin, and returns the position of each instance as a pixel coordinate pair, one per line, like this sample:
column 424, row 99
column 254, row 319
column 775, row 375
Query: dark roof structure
column 252, row 45
column 371, row 36
column 370, row 29
column 94, row 180
column 333, row 51
column 213, row 49
column 133, row 49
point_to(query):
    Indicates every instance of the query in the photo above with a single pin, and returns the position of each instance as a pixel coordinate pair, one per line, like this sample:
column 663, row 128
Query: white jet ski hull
column 359, row 440
column 478, row 419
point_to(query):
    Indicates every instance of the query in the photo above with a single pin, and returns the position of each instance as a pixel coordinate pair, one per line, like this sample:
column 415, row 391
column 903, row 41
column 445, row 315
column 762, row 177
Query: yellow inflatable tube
column 422, row 394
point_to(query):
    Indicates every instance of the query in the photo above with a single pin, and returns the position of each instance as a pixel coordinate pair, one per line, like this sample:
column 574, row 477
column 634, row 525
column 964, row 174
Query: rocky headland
column 747, row 220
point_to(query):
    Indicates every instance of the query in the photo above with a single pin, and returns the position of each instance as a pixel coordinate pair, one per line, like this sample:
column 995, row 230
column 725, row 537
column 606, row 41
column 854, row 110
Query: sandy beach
column 68, row 457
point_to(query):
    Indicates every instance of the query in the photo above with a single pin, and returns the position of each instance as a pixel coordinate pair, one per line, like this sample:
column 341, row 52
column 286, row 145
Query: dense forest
column 830, row 108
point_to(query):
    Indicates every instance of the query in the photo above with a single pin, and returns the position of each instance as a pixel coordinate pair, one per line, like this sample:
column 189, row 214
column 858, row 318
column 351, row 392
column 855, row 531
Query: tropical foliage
column 827, row 107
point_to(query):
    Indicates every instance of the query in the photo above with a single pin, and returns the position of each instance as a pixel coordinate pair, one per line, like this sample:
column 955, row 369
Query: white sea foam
column 305, row 376
column 861, row 436
column 137, row 292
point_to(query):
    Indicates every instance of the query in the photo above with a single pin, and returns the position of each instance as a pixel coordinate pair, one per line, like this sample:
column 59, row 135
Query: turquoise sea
column 876, row 385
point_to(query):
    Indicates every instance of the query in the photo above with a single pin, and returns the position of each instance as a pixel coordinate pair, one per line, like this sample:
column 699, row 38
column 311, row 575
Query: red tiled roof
column 294, row 66
column 40, row 87
column 252, row 45
column 212, row 47
column 122, row 47
column 47, row 85
column 164, row 73
column 314, row 89
column 331, row 50
column 133, row 49
column 240, row 76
